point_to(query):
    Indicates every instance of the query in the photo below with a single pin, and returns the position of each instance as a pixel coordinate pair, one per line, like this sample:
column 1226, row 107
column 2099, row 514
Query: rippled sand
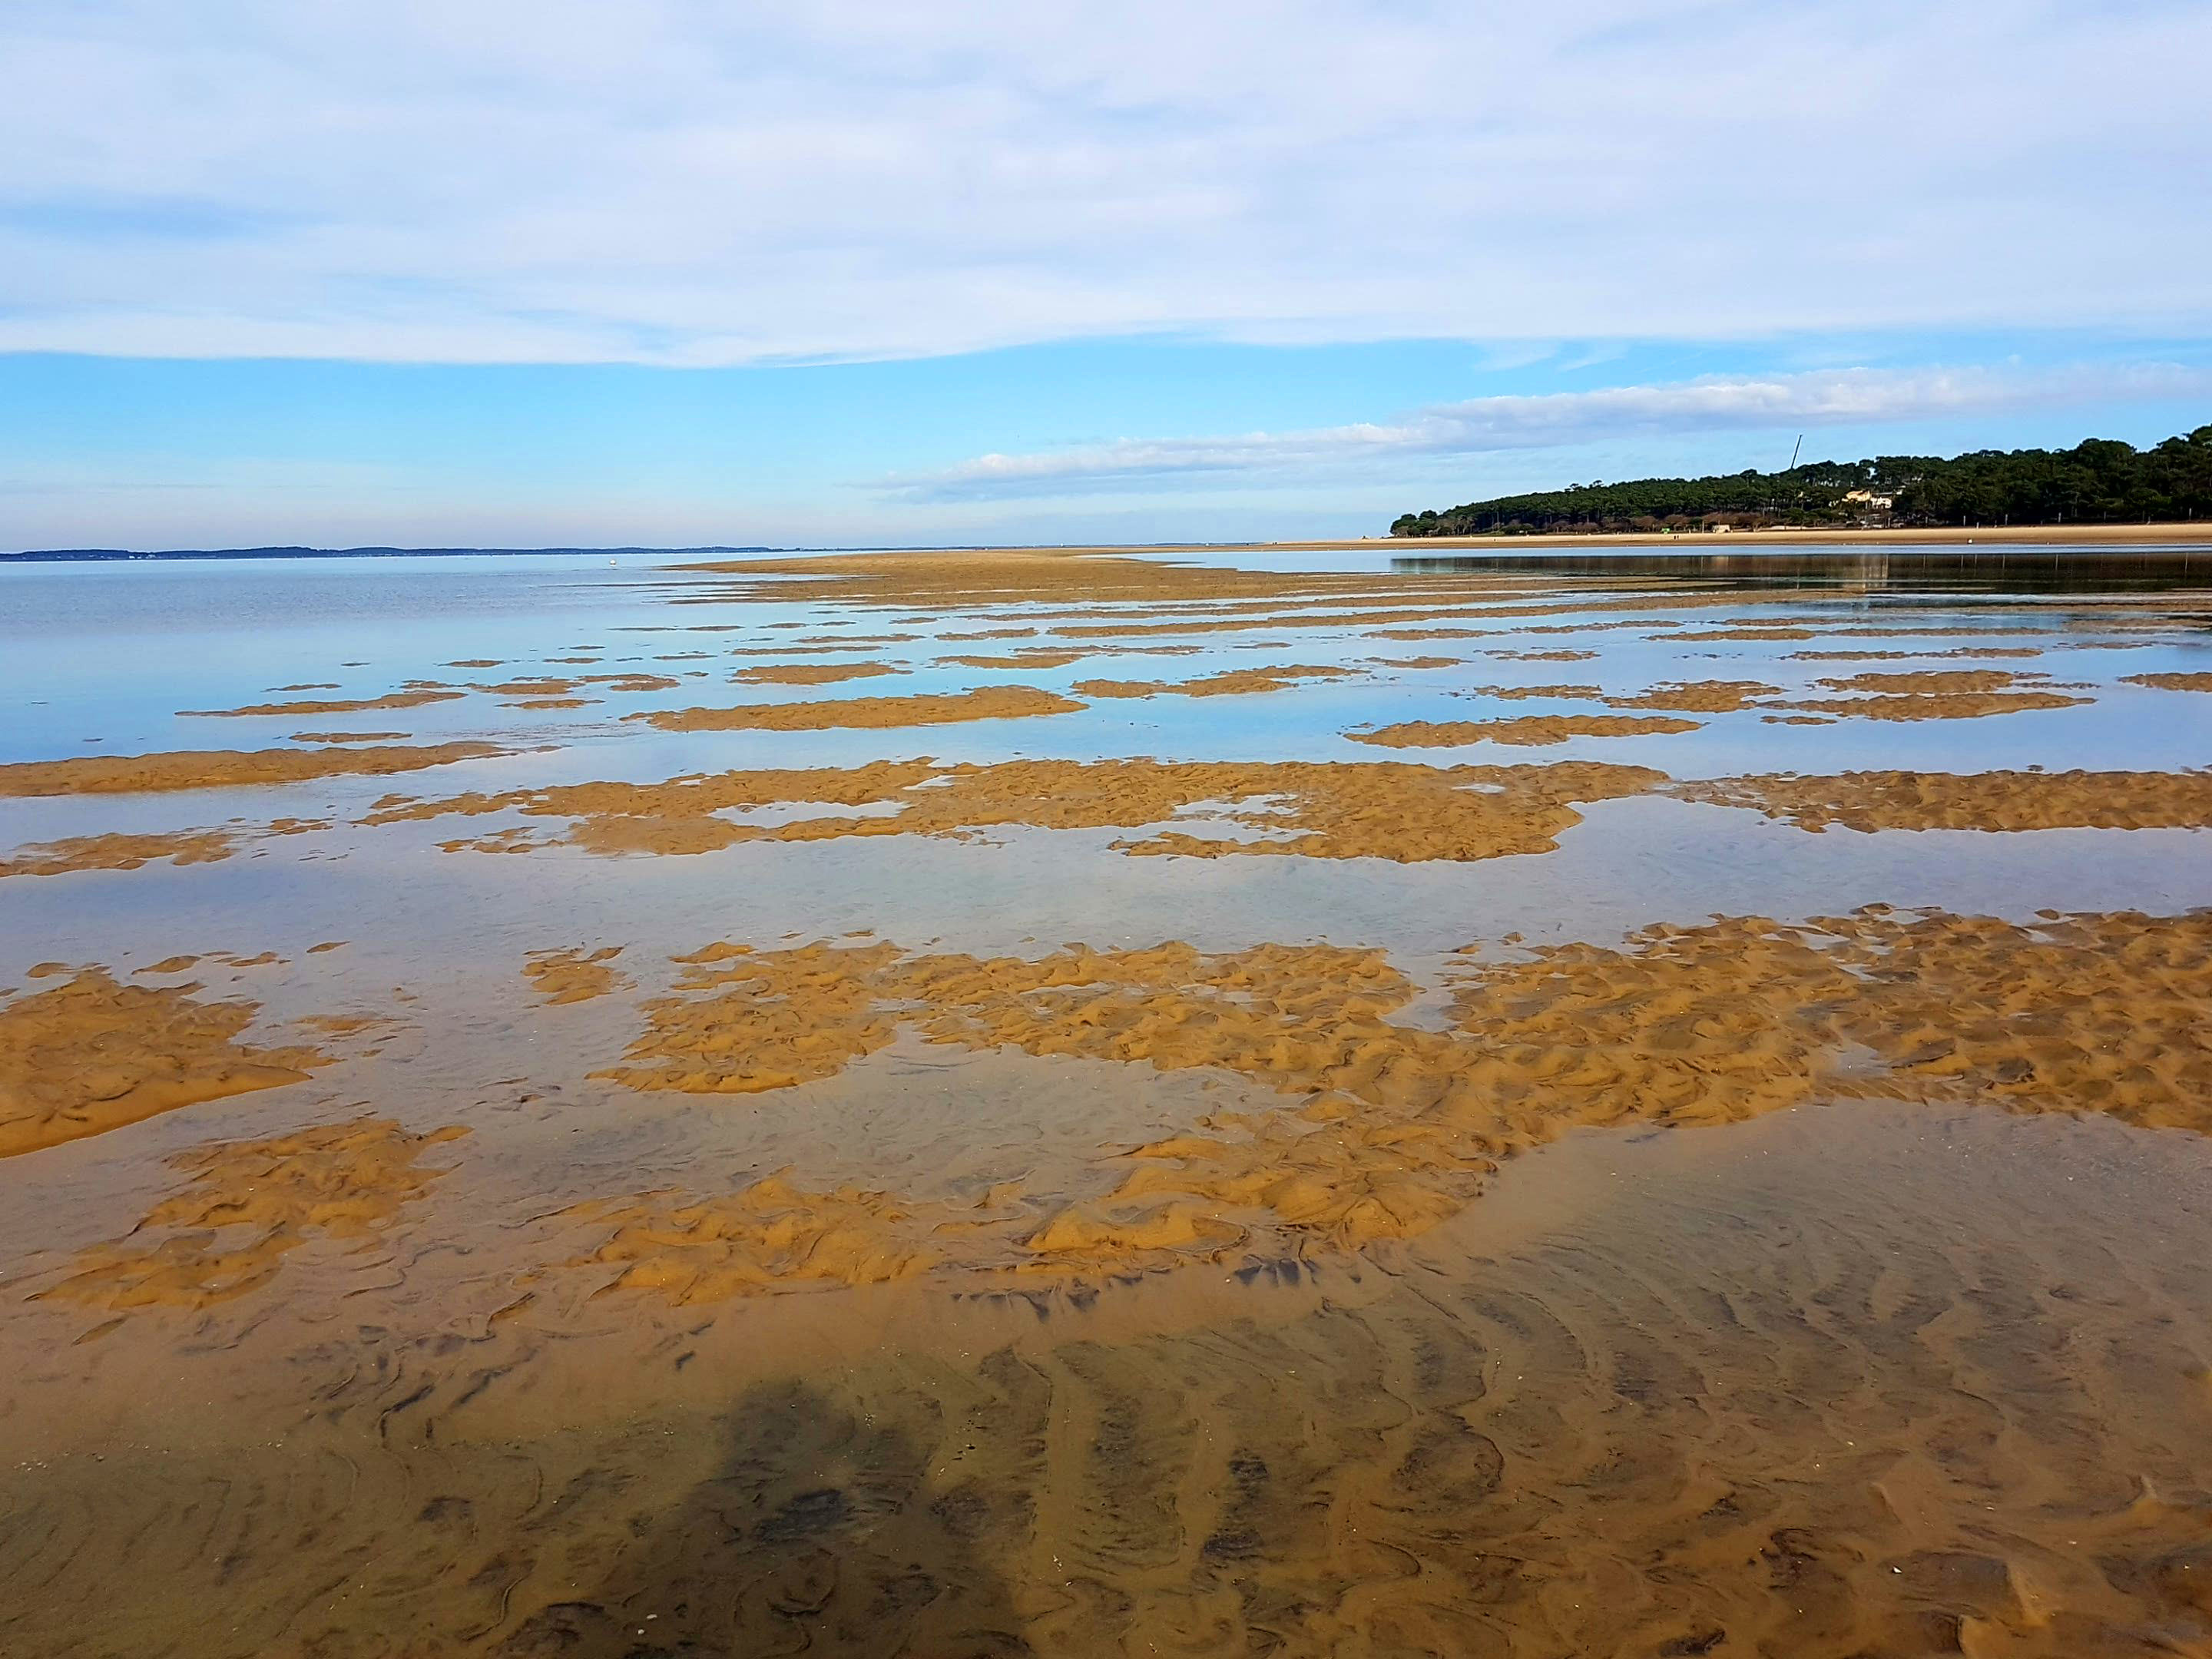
column 1111, row 1164
column 989, row 703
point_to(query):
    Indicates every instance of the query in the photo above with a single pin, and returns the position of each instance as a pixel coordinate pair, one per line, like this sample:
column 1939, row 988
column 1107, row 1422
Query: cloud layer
column 1856, row 397
column 680, row 182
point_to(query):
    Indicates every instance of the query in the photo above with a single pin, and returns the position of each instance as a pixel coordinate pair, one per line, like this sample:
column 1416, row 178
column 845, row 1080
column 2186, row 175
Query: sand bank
column 91, row 1055
column 344, row 705
column 1700, row 696
column 1937, row 705
column 926, row 708
column 1230, row 681
column 343, row 1182
column 1528, row 732
column 1389, row 810
column 1397, row 1125
column 572, row 975
column 223, row 769
column 1992, row 801
column 118, row 852
column 810, row 674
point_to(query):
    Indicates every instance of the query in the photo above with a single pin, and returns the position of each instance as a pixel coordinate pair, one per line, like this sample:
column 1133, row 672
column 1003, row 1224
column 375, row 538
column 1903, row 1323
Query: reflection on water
column 2018, row 570
column 1106, row 1180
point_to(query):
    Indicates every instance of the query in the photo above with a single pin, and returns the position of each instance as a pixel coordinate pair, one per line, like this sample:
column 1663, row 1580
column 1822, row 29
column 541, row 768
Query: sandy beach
column 1105, row 1101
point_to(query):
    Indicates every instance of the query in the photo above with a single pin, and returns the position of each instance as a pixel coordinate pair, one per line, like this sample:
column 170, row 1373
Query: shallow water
column 1442, row 1255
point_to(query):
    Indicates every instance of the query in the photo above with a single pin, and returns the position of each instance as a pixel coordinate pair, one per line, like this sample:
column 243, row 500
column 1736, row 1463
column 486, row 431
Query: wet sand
column 118, row 852
column 1111, row 1164
column 219, row 768
column 990, row 704
column 91, row 1055
column 1524, row 731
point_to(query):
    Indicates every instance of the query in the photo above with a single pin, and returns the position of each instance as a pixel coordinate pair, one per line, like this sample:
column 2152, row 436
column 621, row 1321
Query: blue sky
column 685, row 272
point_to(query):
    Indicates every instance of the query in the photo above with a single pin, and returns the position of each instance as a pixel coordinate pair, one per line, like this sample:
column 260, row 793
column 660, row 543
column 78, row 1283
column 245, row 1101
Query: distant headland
column 2098, row 482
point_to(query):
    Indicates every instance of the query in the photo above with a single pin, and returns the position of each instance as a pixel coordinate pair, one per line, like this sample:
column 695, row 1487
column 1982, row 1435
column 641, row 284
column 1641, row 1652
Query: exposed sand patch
column 1388, row 810
column 1445, row 617
column 562, row 975
column 1934, row 680
column 1526, row 693
column 345, row 706
column 342, row 1180
column 1418, row 662
column 1700, row 696
column 924, row 708
column 223, row 769
column 1561, row 655
column 1974, row 651
column 690, row 1250
column 1045, row 657
column 993, row 633
column 810, row 674
column 2117, row 1002
column 1398, row 1124
column 1230, row 681
column 118, row 852
column 1996, row 801
column 1747, row 634
column 1116, row 589
column 814, row 650
column 347, row 736
column 1874, row 631
column 2189, row 682
column 1938, row 705
column 1530, row 730
column 567, row 685
column 92, row 1055
column 967, row 578
column 678, row 802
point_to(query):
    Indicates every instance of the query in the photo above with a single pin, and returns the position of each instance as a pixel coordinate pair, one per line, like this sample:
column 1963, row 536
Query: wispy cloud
column 664, row 181
column 1856, row 397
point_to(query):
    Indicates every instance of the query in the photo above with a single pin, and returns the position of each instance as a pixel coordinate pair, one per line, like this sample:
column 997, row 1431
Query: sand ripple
column 223, row 769
column 1997, row 801
column 1398, row 1124
column 927, row 708
column 343, row 1180
column 1383, row 810
column 118, row 852
column 1528, row 732
column 92, row 1055
column 572, row 975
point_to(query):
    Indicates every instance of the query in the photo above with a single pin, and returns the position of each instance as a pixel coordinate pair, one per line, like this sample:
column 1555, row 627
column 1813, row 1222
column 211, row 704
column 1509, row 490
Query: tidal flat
column 1087, row 1102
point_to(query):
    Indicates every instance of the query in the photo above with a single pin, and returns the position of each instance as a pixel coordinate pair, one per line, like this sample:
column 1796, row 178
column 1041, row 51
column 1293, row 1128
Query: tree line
column 2099, row 481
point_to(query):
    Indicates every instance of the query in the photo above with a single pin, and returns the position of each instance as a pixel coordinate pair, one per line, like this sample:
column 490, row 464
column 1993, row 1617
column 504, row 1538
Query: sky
column 675, row 272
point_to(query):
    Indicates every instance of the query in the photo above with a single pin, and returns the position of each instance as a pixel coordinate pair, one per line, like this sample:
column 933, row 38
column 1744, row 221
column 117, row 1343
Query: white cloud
column 1856, row 397
column 684, row 182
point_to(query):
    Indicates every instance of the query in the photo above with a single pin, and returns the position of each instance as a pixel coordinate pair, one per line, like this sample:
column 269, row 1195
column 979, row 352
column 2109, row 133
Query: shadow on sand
column 815, row 1535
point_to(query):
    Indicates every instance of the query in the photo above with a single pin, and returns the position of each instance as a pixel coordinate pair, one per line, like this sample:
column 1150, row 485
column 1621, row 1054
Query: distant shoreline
column 2071, row 535
column 122, row 555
